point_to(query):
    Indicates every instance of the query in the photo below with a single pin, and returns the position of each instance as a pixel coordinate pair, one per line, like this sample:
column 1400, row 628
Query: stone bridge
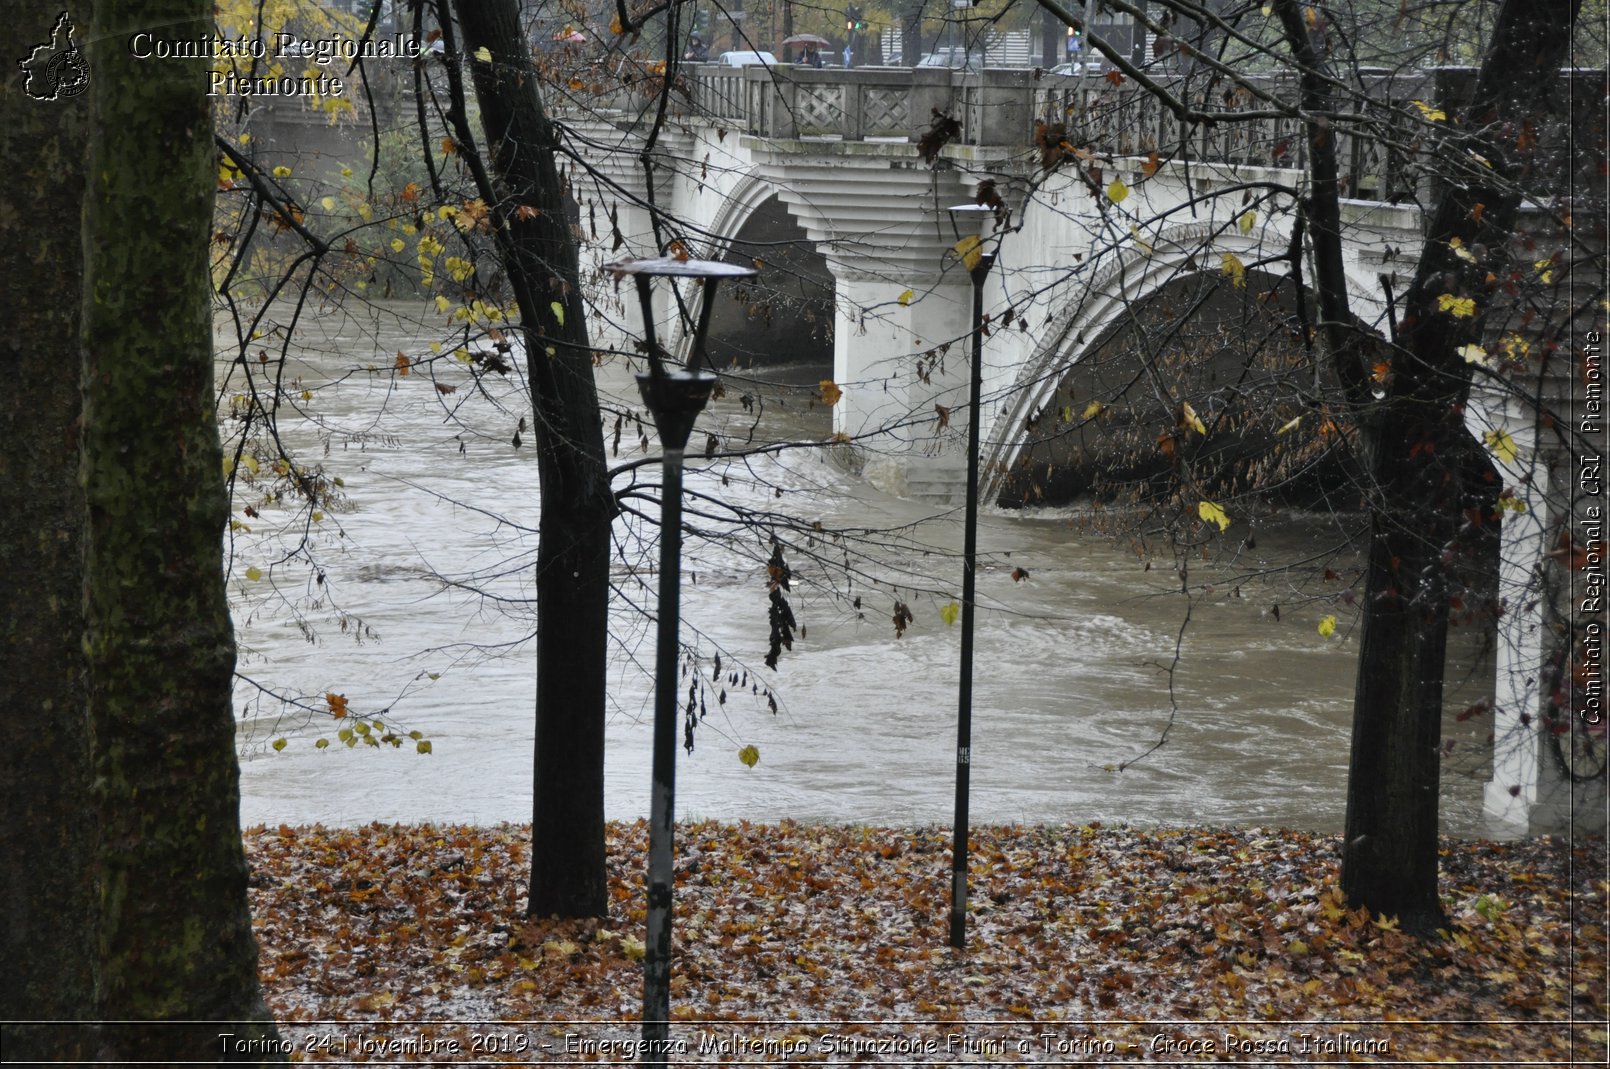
column 841, row 150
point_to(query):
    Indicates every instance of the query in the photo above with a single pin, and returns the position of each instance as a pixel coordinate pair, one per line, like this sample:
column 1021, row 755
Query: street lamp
column 977, row 270
column 675, row 399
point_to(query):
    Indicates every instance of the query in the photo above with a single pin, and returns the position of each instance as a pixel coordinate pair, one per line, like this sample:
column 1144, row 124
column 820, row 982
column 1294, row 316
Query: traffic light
column 852, row 18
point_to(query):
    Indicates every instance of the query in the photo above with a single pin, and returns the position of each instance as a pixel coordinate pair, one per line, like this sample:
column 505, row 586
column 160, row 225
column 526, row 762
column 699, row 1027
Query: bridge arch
column 784, row 318
column 1229, row 348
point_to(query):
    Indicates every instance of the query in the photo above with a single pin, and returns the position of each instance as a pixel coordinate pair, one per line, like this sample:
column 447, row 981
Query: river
column 421, row 620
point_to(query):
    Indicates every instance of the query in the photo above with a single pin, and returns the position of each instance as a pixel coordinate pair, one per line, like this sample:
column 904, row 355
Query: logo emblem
column 56, row 69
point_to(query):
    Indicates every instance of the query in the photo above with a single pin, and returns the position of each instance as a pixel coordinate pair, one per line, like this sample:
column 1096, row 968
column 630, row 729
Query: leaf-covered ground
column 804, row 943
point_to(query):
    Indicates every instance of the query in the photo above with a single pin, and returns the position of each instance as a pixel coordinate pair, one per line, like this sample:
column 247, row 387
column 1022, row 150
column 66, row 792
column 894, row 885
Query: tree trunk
column 47, row 840
column 1417, row 445
column 539, row 252
column 176, row 940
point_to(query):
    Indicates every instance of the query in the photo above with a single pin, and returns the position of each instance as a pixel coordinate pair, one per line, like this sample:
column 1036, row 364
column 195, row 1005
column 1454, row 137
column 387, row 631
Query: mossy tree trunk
column 47, row 839
column 176, row 941
column 539, row 253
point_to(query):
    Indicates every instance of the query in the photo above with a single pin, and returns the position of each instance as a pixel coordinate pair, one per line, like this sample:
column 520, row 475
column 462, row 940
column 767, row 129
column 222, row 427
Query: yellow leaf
column 279, row 744
column 1247, row 221
column 968, row 250
column 750, row 756
column 282, row 171
column 1144, row 245
column 367, row 212
column 328, row 203
column 1458, row 307
column 1297, row 947
column 1230, row 264
column 1428, row 112
column 558, row 311
column 1213, row 514
column 422, row 746
column 1543, row 270
column 949, row 612
column 1192, row 420
column 905, row 297
column 633, row 947
column 253, row 574
column 398, row 245
column 321, row 744
column 1459, row 250
column 830, row 392
column 1501, row 444
column 1117, row 191
column 1327, row 627
column 441, row 306
column 483, row 54
column 1289, row 425
column 563, row 948
column 1475, row 354
column 1094, row 409
column 249, row 462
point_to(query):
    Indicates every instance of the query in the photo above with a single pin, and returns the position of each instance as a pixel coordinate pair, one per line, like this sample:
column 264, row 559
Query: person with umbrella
column 811, row 57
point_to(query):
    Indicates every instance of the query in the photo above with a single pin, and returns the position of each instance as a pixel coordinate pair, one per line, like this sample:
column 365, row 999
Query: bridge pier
column 902, row 303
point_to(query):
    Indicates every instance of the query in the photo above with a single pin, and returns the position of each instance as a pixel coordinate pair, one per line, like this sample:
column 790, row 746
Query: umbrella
column 807, row 39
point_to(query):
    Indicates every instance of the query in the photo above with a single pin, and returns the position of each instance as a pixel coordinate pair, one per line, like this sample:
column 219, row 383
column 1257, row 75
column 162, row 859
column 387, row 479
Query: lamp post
column 977, row 270
column 675, row 399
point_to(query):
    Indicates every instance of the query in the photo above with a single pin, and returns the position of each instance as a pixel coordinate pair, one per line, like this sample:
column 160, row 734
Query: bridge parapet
column 1000, row 108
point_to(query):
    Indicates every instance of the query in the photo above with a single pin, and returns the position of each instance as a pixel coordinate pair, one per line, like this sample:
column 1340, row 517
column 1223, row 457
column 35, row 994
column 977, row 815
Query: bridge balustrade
column 1376, row 125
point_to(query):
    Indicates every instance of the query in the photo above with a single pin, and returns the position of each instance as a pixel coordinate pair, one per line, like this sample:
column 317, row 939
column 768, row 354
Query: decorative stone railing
column 1380, row 133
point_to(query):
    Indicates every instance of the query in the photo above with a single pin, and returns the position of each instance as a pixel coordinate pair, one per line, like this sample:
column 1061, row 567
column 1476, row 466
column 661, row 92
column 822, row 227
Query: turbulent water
column 423, row 620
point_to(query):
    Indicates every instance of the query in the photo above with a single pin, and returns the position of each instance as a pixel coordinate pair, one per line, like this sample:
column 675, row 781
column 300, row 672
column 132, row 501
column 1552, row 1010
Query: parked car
column 746, row 59
column 1075, row 67
column 957, row 59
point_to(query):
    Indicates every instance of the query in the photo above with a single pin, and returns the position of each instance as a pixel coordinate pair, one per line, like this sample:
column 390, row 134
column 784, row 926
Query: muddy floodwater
column 423, row 620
